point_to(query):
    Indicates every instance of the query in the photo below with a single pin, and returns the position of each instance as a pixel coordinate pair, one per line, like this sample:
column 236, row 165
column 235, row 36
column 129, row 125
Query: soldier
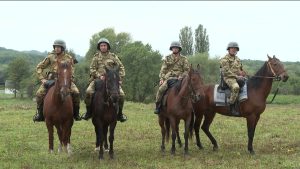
column 49, row 62
column 174, row 66
column 232, row 71
column 104, row 59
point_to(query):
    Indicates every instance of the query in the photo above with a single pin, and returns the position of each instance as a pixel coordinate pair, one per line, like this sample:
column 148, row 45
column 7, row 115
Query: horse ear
column 274, row 57
column 269, row 57
column 198, row 66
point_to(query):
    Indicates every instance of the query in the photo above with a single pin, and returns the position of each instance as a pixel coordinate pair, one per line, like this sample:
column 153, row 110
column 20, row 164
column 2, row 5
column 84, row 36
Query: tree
column 186, row 40
column 116, row 41
column 142, row 66
column 201, row 40
column 18, row 71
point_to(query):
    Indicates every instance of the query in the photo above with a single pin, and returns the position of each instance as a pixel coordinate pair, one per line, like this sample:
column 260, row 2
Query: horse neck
column 55, row 95
column 262, row 85
column 184, row 90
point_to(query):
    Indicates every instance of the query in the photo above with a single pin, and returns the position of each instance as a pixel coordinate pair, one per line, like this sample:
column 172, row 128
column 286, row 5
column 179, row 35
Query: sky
column 260, row 28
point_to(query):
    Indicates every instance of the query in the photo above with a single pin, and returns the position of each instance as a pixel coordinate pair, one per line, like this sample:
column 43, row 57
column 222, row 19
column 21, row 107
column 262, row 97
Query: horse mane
column 255, row 82
column 178, row 86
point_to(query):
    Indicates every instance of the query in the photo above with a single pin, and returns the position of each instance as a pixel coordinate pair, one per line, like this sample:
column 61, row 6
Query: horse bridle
column 195, row 98
column 274, row 76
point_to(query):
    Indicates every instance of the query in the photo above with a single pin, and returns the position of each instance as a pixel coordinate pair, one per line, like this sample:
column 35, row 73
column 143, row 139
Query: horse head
column 196, row 83
column 277, row 68
column 64, row 75
column 112, row 84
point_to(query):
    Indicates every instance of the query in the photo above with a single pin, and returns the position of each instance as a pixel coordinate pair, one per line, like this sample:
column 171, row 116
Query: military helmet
column 233, row 45
column 176, row 44
column 59, row 42
column 103, row 40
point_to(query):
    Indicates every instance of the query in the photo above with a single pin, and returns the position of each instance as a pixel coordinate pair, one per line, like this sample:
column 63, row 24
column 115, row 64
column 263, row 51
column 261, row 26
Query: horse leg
column 50, row 135
column 251, row 125
column 101, row 135
column 197, row 124
column 163, row 133
column 97, row 137
column 60, row 137
column 177, row 133
column 187, row 123
column 68, row 129
column 208, row 118
column 111, row 139
column 105, row 138
column 173, row 125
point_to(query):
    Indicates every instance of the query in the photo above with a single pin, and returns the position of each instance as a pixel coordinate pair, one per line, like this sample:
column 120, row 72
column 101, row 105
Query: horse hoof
column 200, row 147
column 51, row 151
column 252, row 152
column 112, row 156
column 97, row 149
column 106, row 150
column 101, row 157
column 215, row 148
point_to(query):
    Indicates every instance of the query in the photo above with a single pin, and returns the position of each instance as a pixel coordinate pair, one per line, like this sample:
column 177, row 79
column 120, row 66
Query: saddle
column 222, row 92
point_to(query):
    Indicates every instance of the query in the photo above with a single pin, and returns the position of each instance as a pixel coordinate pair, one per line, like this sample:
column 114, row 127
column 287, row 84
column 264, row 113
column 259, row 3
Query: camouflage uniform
column 50, row 63
column 231, row 66
column 171, row 69
column 97, row 68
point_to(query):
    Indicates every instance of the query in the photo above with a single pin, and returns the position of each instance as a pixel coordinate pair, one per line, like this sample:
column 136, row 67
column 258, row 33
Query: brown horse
column 105, row 107
column 258, row 89
column 58, row 107
column 178, row 106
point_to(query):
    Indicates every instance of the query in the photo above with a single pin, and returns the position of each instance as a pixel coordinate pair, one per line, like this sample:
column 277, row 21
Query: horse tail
column 167, row 127
column 191, row 128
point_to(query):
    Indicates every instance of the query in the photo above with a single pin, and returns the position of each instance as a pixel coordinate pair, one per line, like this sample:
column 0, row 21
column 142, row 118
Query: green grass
column 24, row 144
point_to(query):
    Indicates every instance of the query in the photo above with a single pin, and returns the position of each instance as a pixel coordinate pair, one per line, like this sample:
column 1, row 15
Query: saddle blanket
column 219, row 95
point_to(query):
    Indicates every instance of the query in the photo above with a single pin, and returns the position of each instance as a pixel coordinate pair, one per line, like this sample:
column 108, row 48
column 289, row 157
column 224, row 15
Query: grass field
column 24, row 144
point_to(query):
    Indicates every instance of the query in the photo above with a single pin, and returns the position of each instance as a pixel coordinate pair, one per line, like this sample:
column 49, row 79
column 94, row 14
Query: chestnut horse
column 178, row 106
column 258, row 89
column 105, row 107
column 58, row 107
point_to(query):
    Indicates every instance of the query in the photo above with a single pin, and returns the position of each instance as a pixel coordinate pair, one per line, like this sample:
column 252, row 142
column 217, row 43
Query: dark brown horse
column 258, row 89
column 105, row 108
column 178, row 106
column 58, row 107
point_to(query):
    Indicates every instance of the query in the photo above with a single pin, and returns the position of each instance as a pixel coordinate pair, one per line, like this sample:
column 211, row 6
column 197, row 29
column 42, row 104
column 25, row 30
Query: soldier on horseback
column 174, row 66
column 50, row 62
column 232, row 71
column 104, row 59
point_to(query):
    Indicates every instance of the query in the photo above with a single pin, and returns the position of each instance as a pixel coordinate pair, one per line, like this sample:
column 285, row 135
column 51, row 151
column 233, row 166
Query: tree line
column 142, row 64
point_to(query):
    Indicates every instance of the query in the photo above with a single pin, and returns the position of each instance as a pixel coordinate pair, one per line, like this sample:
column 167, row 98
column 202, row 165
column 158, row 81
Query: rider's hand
column 161, row 82
column 43, row 81
column 242, row 73
column 120, row 82
column 102, row 77
column 240, row 77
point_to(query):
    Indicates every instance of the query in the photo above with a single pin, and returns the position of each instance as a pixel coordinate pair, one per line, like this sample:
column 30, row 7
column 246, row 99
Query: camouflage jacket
column 174, row 68
column 230, row 66
column 50, row 62
column 102, row 61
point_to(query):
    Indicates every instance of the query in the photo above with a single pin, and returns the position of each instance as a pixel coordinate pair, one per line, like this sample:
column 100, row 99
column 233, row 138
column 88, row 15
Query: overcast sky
column 260, row 28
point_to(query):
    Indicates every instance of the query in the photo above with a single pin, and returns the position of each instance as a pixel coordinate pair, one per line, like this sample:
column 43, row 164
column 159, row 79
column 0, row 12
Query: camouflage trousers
column 91, row 90
column 162, row 88
column 41, row 92
column 234, row 87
